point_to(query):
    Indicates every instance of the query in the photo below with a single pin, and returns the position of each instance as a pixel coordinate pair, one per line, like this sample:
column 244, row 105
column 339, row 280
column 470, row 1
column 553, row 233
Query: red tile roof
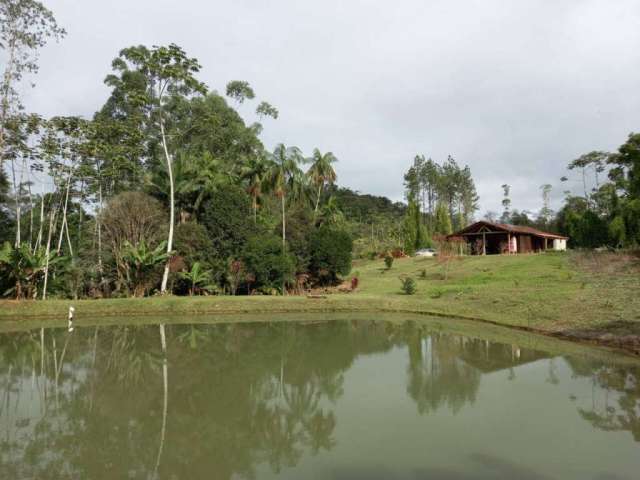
column 508, row 228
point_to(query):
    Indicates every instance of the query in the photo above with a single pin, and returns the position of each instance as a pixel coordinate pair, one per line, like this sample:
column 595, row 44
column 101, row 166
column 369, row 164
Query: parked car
column 426, row 252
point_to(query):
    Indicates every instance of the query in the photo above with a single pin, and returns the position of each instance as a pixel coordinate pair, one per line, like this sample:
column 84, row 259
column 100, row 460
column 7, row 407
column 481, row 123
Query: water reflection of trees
column 615, row 397
column 224, row 400
column 445, row 369
column 92, row 403
column 437, row 374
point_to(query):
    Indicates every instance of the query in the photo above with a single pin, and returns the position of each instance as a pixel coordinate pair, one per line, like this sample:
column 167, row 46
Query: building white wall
column 559, row 244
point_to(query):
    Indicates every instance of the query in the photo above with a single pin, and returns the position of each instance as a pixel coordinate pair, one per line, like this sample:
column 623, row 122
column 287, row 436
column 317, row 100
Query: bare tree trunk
column 16, row 195
column 165, row 275
column 284, row 238
column 39, row 238
column 52, row 215
column 99, row 227
column 284, row 227
column 64, row 226
column 31, row 207
column 315, row 211
column 6, row 90
column 80, row 214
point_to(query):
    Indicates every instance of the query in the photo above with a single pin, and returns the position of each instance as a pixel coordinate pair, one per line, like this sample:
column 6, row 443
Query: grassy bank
column 593, row 297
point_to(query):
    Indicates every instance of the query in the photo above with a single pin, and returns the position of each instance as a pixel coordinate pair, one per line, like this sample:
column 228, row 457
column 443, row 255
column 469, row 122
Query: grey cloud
column 514, row 89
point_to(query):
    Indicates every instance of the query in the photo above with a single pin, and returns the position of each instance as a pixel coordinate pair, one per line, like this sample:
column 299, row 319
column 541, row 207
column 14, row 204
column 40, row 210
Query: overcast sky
column 514, row 89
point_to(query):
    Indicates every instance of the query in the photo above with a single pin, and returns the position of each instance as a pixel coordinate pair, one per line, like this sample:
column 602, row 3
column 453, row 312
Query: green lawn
column 580, row 295
column 550, row 291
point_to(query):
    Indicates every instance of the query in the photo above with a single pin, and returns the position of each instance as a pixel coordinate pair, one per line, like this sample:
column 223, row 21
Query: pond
column 322, row 397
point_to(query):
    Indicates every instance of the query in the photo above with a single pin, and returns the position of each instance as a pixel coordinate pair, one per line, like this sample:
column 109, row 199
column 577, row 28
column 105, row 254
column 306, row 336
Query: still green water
column 320, row 399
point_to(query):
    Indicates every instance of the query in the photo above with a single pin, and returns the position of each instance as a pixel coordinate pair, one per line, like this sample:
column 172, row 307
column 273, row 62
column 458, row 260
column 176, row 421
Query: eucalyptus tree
column 25, row 27
column 5, row 219
column 321, row 173
column 286, row 179
column 240, row 91
column 545, row 212
column 163, row 72
column 21, row 153
column 265, row 109
column 595, row 160
column 66, row 138
column 506, row 203
column 468, row 197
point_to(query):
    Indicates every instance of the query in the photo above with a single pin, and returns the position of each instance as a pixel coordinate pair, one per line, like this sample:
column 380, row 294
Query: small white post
column 70, row 318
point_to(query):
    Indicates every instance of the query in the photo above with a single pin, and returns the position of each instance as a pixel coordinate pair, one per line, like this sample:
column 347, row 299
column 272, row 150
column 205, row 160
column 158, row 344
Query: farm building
column 485, row 238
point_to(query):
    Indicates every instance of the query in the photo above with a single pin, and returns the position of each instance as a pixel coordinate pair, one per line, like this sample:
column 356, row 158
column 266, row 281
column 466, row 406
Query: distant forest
column 606, row 212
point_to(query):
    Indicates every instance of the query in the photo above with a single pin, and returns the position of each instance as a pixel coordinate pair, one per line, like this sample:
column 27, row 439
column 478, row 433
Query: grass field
column 589, row 296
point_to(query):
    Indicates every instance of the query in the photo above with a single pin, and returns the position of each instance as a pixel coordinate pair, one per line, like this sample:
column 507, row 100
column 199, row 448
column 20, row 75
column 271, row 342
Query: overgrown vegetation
column 164, row 190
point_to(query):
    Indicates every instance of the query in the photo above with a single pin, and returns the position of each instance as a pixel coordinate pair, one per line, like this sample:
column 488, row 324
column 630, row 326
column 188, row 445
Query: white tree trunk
column 31, row 206
column 284, row 237
column 48, row 253
column 99, row 227
column 284, row 225
column 64, row 217
column 165, row 276
column 39, row 238
column 315, row 211
column 6, row 90
column 165, row 403
column 16, row 195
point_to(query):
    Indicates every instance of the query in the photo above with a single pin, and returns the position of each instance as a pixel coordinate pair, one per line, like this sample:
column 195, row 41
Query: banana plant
column 141, row 265
column 25, row 268
column 198, row 278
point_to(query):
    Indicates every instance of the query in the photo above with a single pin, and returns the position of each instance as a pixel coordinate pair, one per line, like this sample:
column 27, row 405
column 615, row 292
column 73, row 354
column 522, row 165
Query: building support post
column 508, row 243
column 484, row 243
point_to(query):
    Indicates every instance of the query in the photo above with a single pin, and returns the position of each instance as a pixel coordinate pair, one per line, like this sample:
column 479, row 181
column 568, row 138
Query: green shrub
column 191, row 241
column 330, row 251
column 408, row 285
column 264, row 260
column 228, row 218
column 388, row 261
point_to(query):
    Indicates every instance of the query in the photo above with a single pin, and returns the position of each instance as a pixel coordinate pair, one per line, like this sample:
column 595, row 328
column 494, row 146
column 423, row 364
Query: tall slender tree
column 545, row 212
column 164, row 72
column 25, row 27
column 506, row 203
column 255, row 172
column 321, row 173
column 285, row 179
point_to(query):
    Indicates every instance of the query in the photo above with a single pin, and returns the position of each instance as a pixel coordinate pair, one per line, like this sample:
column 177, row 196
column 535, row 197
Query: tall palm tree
column 255, row 172
column 321, row 173
column 285, row 178
column 195, row 177
column 207, row 174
